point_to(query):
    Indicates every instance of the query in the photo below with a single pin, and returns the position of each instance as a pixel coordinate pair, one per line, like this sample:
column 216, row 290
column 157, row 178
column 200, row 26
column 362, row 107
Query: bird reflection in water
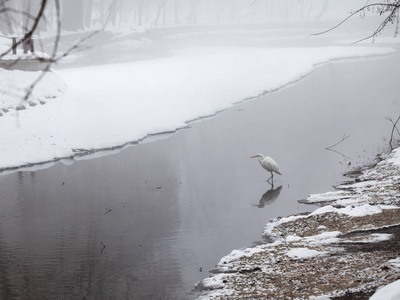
column 269, row 196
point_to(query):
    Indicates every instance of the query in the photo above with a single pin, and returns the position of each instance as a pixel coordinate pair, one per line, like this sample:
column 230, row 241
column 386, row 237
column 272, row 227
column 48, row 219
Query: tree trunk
column 140, row 12
column 161, row 8
column 176, row 10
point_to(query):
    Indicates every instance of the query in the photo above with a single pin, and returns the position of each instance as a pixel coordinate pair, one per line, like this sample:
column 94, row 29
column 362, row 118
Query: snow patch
column 327, row 197
column 224, row 263
column 395, row 159
column 373, row 238
column 328, row 237
column 395, row 262
column 213, row 282
column 353, row 211
column 304, row 253
column 388, row 292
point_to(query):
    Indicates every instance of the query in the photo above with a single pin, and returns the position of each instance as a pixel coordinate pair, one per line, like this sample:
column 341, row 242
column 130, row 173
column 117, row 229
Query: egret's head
column 259, row 155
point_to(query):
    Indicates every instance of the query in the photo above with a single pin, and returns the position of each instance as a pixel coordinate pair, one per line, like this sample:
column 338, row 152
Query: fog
column 148, row 181
column 108, row 31
column 136, row 14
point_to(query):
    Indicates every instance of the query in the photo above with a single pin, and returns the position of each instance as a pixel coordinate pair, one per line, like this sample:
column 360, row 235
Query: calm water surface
column 150, row 221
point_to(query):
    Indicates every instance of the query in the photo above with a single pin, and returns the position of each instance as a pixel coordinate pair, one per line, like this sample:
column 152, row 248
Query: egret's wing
column 271, row 165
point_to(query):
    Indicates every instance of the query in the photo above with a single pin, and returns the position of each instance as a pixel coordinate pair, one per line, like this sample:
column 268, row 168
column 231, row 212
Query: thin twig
column 393, row 129
column 343, row 139
column 345, row 157
column 340, row 153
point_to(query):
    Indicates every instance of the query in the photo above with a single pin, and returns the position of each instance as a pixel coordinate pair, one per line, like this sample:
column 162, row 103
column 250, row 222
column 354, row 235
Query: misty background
column 120, row 27
column 122, row 211
column 140, row 14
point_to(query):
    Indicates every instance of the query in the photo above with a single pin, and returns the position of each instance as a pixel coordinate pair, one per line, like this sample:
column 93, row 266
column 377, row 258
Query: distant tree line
column 17, row 15
column 28, row 17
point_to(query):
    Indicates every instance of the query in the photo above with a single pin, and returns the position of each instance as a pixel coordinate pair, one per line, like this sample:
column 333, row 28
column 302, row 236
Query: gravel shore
column 345, row 249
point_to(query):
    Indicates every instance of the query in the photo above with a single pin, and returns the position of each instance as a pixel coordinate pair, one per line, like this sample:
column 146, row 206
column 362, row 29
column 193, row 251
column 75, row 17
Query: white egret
column 268, row 164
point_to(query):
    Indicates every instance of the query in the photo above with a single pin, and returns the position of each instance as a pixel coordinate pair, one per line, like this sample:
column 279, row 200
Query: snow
column 388, row 292
column 329, row 196
column 330, row 237
column 304, row 253
column 359, row 211
column 111, row 105
column 395, row 159
column 293, row 238
column 327, row 237
column 376, row 238
column 224, row 263
column 213, row 282
column 14, row 84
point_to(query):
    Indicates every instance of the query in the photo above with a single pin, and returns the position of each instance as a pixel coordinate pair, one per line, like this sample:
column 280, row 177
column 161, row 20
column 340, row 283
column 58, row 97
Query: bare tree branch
column 382, row 8
column 342, row 140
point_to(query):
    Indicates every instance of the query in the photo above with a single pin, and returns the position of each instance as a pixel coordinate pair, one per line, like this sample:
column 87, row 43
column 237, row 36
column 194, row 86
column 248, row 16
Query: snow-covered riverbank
column 111, row 105
column 349, row 247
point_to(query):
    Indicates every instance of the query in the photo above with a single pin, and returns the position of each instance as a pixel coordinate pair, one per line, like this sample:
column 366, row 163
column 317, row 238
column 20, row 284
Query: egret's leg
column 272, row 177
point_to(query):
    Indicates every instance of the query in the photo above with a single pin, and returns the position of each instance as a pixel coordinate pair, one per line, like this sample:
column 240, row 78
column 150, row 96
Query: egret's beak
column 253, row 156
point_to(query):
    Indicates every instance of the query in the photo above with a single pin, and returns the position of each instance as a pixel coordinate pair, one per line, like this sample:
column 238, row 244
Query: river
column 149, row 221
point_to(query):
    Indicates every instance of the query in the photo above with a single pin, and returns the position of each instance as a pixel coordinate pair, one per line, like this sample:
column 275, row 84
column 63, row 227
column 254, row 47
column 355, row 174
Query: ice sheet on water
column 110, row 105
